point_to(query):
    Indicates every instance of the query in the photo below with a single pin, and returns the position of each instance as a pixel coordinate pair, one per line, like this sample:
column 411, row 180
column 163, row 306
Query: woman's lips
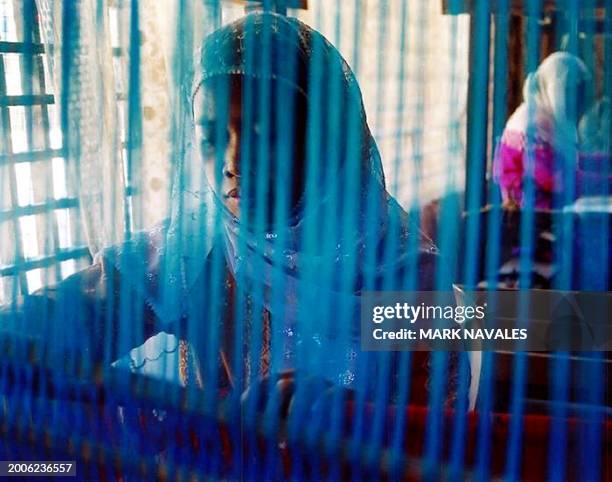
column 232, row 194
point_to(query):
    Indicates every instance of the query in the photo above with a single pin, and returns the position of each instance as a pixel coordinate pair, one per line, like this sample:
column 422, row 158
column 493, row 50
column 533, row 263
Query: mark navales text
column 451, row 334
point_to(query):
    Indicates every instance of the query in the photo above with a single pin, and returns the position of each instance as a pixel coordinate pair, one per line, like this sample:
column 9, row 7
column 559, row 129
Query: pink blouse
column 510, row 167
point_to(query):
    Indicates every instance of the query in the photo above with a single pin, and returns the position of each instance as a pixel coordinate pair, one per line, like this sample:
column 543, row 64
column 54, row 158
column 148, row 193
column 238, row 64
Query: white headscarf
column 546, row 109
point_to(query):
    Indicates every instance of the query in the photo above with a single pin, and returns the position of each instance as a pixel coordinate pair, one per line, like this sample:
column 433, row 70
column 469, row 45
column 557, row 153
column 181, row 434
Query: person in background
column 551, row 140
column 544, row 129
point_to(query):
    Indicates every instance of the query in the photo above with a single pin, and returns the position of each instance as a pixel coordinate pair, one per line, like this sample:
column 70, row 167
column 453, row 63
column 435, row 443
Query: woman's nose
column 231, row 167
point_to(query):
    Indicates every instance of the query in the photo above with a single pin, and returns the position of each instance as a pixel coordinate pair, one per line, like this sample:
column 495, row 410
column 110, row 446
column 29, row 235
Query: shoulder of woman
column 512, row 139
column 143, row 246
column 537, row 125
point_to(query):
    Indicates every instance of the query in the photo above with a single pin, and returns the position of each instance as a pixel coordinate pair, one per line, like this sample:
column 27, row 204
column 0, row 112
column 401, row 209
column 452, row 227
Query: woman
column 280, row 221
column 543, row 129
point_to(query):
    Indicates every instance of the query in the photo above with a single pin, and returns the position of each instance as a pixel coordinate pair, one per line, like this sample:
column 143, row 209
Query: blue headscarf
column 304, row 273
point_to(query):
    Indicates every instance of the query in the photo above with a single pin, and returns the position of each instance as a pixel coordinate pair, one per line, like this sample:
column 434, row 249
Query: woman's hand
column 282, row 394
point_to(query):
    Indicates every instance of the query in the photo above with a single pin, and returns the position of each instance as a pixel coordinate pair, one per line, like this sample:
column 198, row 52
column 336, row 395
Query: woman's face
column 232, row 148
column 219, row 145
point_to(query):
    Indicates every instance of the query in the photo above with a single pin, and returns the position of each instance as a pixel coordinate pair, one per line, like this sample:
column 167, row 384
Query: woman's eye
column 212, row 140
column 207, row 145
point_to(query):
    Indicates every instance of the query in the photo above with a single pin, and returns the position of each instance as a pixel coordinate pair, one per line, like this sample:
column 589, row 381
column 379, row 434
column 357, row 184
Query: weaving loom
column 197, row 196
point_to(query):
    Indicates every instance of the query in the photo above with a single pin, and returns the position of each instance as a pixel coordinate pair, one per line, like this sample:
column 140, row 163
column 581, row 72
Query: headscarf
column 226, row 52
column 376, row 252
column 547, row 96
